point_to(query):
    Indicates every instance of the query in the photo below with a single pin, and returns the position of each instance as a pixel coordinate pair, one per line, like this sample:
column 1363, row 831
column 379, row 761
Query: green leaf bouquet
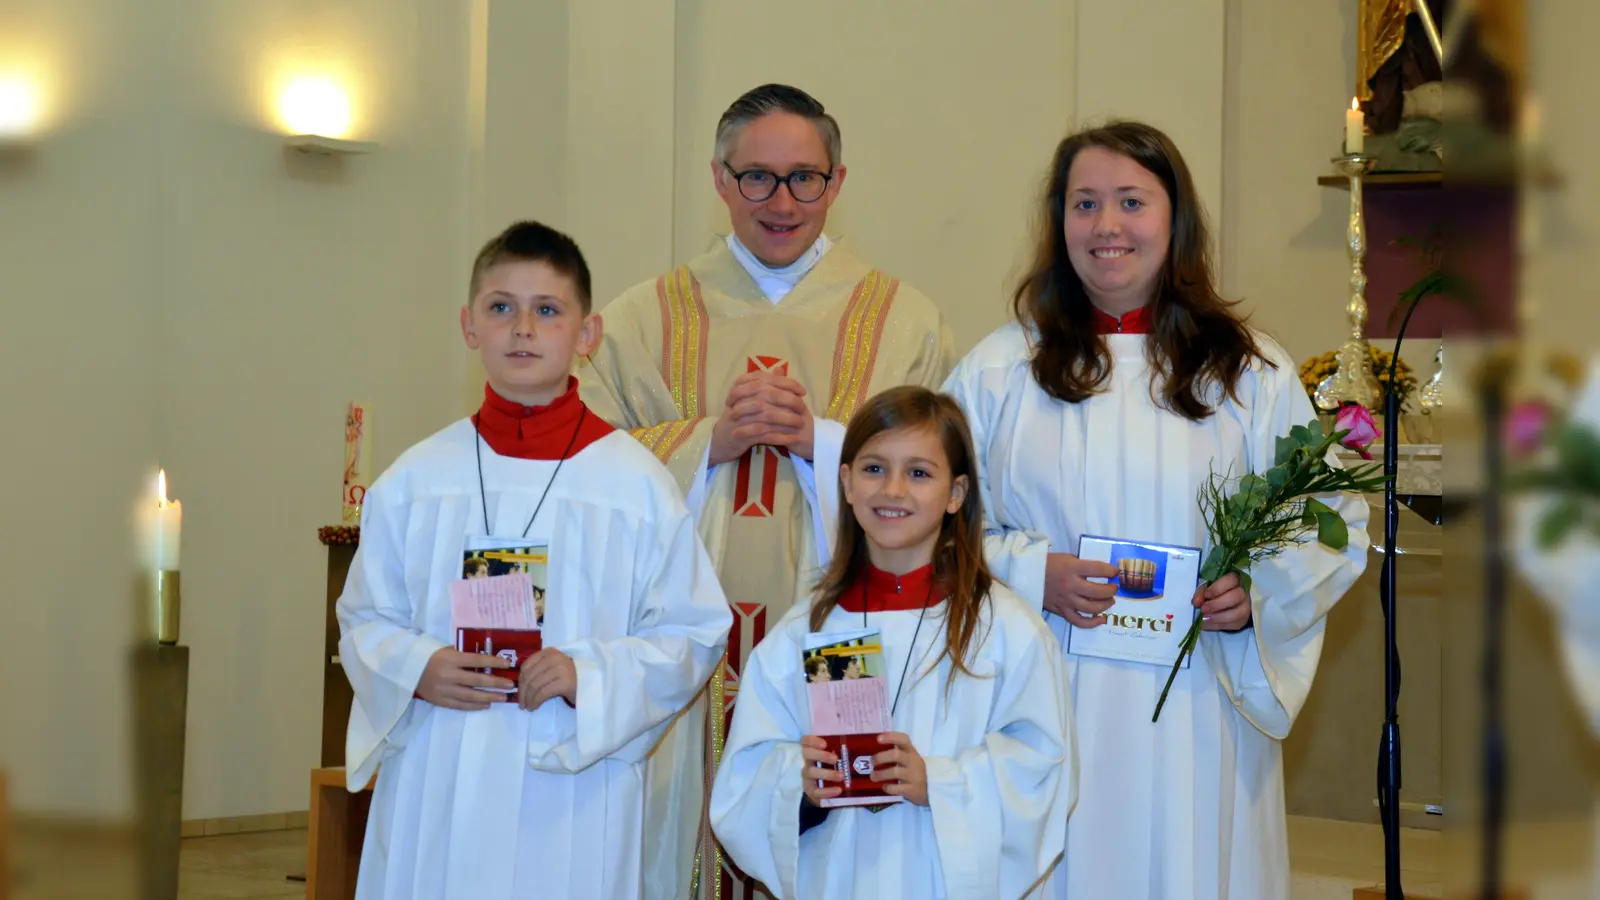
column 1257, row 516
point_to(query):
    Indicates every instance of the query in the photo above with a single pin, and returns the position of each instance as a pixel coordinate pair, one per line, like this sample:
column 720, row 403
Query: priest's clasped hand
column 820, row 765
column 1070, row 594
column 763, row 408
column 547, row 675
column 453, row 679
column 903, row 764
column 1224, row 605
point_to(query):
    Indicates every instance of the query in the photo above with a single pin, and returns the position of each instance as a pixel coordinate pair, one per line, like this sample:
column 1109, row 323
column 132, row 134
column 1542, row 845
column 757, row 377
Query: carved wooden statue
column 1394, row 56
column 1414, row 107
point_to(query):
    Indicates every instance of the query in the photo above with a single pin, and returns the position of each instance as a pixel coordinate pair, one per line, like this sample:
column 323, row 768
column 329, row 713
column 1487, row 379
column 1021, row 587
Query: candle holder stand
column 1353, row 380
column 160, row 687
column 168, row 607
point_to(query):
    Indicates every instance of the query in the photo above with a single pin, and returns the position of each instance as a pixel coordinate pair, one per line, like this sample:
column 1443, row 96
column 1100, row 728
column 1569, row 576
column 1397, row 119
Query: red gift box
column 511, row 644
column 855, row 752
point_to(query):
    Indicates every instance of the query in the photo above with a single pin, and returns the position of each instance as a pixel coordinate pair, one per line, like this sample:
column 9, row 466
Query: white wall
column 1289, row 72
column 77, row 397
column 294, row 287
column 180, row 289
column 1565, row 267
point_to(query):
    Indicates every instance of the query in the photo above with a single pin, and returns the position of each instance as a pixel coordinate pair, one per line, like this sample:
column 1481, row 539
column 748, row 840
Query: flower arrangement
column 1317, row 369
column 339, row 534
column 1264, row 513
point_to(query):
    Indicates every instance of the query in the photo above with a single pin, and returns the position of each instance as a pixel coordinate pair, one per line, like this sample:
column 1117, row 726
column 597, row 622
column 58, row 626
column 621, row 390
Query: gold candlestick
column 160, row 606
column 169, row 607
column 1353, row 381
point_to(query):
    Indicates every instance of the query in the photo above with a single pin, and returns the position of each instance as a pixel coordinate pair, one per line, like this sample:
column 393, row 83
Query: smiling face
column 779, row 229
column 1118, row 228
column 900, row 489
column 527, row 323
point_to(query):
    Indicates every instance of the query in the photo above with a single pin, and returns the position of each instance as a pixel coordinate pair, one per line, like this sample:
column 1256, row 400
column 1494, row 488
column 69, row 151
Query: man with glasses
column 739, row 370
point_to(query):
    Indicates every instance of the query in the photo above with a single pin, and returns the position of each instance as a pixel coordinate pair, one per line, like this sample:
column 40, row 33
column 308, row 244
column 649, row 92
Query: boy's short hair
column 534, row 242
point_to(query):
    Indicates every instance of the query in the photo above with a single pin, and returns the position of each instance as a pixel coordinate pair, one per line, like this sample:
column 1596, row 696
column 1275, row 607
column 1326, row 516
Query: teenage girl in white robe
column 982, row 752
column 1124, row 384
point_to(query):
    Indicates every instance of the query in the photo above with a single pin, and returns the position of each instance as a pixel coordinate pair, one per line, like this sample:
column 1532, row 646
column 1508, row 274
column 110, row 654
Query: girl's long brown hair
column 958, row 562
column 1196, row 343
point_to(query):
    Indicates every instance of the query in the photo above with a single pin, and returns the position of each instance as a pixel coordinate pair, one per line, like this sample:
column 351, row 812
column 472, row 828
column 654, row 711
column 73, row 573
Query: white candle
column 166, row 528
column 1355, row 128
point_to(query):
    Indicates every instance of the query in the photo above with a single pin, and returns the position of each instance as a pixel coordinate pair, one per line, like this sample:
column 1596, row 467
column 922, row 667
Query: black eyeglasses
column 757, row 185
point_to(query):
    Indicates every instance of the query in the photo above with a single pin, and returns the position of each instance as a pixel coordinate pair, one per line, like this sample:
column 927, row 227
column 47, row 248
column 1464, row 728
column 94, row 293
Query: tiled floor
column 1329, row 860
column 243, row 865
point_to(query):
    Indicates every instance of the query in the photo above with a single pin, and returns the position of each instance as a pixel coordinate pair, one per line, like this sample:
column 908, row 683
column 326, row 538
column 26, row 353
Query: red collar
column 1136, row 322
column 886, row 592
column 538, row 432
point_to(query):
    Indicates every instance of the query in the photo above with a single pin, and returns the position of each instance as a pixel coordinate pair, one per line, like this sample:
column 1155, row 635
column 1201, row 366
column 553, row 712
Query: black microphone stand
column 1494, row 587
column 1389, row 767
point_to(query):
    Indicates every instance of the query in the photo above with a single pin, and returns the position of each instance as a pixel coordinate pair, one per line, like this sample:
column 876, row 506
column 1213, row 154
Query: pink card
column 499, row 601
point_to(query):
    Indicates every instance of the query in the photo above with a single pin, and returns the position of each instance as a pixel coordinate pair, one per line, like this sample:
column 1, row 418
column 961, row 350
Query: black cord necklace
column 477, row 446
column 914, row 635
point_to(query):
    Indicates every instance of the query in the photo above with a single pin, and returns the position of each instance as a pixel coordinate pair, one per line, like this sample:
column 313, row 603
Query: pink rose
column 1354, row 418
column 1525, row 427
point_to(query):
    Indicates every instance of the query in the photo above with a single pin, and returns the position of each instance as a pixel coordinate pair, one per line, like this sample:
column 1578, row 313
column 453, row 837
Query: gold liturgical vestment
column 673, row 348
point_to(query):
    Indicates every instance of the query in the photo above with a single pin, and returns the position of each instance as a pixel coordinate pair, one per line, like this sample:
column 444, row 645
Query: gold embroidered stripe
column 706, row 881
column 665, row 438
column 856, row 347
column 718, row 708
column 683, row 351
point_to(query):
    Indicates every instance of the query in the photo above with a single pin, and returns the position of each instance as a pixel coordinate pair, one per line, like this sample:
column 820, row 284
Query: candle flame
column 161, row 488
column 1355, row 103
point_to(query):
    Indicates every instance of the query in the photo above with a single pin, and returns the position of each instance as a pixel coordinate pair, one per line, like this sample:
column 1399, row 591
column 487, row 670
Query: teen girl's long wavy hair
column 958, row 562
column 1196, row 345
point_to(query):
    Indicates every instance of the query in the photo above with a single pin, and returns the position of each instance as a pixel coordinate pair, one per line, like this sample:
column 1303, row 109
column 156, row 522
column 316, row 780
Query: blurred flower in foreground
column 1555, row 504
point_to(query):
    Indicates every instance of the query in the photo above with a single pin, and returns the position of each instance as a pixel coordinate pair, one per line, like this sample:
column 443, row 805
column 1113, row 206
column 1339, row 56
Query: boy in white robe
column 538, row 794
column 982, row 754
column 1153, row 385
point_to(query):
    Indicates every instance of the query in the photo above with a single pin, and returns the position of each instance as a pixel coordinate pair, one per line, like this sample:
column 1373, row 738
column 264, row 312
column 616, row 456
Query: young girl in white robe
column 1125, row 384
column 981, row 754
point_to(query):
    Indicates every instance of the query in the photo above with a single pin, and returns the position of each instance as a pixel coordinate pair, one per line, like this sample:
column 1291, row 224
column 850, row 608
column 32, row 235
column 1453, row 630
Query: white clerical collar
column 776, row 283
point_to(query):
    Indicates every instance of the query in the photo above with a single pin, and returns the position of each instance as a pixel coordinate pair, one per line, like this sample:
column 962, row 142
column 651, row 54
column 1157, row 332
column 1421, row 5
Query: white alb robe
column 1191, row 806
column 998, row 751
column 506, row 803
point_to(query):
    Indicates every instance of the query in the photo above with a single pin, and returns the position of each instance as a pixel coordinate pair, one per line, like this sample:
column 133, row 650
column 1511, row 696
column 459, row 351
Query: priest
column 739, row 370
